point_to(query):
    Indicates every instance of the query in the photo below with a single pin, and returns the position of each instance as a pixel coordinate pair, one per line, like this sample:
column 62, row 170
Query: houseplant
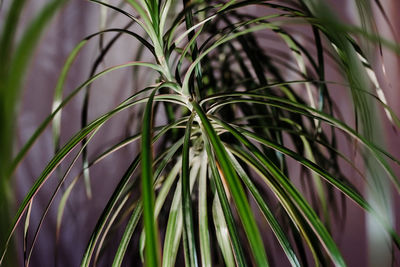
column 234, row 106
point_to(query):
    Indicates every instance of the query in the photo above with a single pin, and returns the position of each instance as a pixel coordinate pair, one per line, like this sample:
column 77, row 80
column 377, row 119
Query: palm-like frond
column 243, row 95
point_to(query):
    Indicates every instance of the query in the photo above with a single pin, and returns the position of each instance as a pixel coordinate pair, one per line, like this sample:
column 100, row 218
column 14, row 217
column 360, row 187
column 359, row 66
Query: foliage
column 239, row 93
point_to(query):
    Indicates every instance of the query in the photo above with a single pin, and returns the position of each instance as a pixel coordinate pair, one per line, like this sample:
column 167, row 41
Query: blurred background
column 78, row 19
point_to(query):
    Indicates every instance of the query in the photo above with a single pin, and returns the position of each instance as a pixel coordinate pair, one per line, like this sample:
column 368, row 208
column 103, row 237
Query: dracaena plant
column 242, row 92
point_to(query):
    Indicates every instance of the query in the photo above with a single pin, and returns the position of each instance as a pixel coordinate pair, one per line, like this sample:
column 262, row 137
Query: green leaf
column 238, row 194
column 273, row 222
column 130, row 228
column 221, row 229
column 161, row 197
column 203, row 216
column 175, row 220
column 152, row 250
column 174, row 229
column 228, row 220
column 284, row 182
column 188, row 228
column 50, row 202
column 313, row 113
column 287, row 202
column 66, row 100
column 107, row 211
